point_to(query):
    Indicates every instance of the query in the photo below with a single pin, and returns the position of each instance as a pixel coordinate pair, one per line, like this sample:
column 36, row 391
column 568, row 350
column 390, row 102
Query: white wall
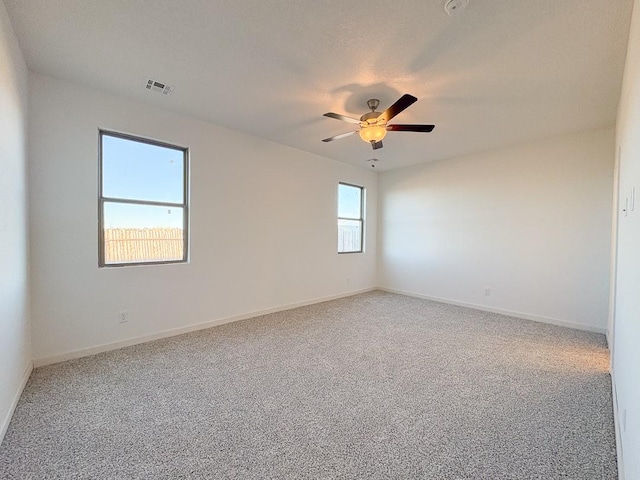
column 15, row 334
column 626, row 336
column 531, row 222
column 263, row 225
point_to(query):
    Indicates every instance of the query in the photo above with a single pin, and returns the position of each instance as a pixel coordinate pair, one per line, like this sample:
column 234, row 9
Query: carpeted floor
column 376, row 386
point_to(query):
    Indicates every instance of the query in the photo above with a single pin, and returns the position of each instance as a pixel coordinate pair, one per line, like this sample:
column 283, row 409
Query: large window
column 350, row 218
column 143, row 215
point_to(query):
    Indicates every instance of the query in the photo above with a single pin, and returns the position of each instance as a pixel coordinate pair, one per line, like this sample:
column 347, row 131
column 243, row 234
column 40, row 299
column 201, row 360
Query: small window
column 350, row 218
column 143, row 214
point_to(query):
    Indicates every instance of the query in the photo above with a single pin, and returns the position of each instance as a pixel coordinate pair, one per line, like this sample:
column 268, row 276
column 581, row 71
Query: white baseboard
column 14, row 403
column 524, row 316
column 105, row 347
column 616, row 423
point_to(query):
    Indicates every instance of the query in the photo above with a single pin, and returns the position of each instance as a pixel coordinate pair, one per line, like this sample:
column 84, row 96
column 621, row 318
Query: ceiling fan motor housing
column 370, row 116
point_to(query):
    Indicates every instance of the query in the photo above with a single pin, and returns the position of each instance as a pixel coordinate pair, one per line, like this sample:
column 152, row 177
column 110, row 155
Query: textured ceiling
column 501, row 73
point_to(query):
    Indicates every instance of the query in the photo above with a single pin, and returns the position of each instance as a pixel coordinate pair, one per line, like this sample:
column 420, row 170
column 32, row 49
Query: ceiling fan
column 373, row 125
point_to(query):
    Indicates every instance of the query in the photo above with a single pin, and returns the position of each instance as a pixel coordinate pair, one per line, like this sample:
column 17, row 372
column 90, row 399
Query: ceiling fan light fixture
column 372, row 133
column 374, row 125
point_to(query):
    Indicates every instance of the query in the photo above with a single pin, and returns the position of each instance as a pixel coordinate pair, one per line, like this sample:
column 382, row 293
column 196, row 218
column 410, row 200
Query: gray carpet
column 376, row 386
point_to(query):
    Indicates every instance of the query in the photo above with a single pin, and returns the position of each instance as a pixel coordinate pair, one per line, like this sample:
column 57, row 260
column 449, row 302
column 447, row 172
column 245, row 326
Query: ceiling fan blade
column 338, row 137
column 377, row 145
column 404, row 102
column 337, row 116
column 410, row 128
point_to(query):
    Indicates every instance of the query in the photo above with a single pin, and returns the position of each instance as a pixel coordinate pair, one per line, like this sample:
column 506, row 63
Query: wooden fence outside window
column 130, row 245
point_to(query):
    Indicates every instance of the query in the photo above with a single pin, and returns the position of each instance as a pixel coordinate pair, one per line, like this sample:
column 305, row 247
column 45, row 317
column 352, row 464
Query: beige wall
column 530, row 222
column 15, row 334
column 626, row 325
column 263, row 227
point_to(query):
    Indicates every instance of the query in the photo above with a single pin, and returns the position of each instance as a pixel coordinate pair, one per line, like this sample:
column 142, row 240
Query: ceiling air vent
column 156, row 86
column 455, row 7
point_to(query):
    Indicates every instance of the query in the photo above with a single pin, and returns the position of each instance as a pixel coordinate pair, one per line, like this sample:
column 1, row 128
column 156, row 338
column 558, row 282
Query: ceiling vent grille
column 156, row 86
column 455, row 7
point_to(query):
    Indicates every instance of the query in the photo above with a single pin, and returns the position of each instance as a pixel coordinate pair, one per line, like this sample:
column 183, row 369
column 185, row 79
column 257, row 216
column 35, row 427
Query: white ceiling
column 502, row 72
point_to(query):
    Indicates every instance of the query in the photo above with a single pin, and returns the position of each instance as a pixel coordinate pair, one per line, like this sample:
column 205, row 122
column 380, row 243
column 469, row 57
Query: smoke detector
column 157, row 86
column 455, row 7
column 372, row 162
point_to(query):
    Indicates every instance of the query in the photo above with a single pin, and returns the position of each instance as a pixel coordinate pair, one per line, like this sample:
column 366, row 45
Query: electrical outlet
column 123, row 316
column 624, row 420
column 487, row 292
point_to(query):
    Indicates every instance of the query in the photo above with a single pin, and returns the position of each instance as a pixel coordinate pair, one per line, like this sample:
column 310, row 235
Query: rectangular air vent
column 156, row 86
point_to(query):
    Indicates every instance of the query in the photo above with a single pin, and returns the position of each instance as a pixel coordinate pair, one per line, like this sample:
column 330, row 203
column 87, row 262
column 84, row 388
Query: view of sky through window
column 350, row 201
column 118, row 215
column 140, row 171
